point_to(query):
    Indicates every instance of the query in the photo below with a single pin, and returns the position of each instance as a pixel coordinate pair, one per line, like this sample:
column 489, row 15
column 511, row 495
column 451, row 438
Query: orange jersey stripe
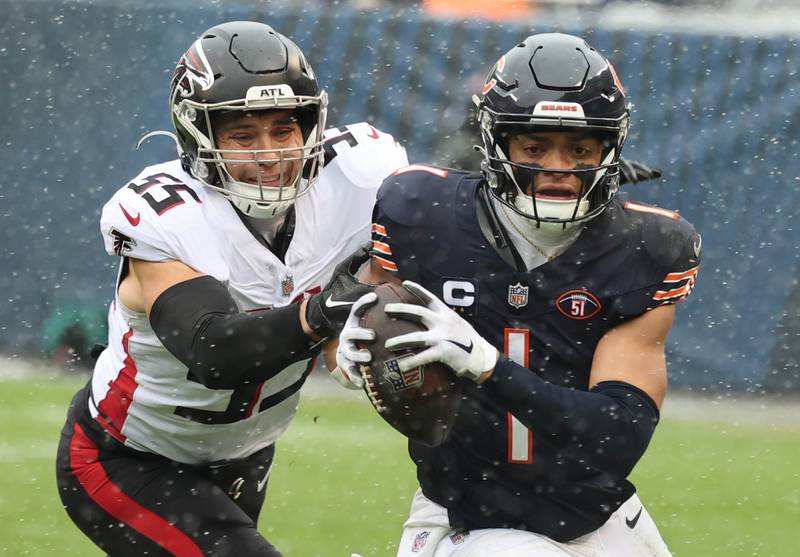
column 440, row 172
column 677, row 277
column 662, row 294
column 385, row 263
column 379, row 229
column 381, row 247
column 654, row 210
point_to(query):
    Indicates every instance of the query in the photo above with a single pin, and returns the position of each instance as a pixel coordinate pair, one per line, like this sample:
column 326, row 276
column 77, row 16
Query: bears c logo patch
column 578, row 304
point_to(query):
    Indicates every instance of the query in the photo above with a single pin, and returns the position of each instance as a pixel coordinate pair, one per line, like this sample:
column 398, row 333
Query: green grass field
column 342, row 481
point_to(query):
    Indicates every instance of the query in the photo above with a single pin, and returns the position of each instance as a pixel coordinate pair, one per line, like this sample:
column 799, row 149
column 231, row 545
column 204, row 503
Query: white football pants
column 427, row 533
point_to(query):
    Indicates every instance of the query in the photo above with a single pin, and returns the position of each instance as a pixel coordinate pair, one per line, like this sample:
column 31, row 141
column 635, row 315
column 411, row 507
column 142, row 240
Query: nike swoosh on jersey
column 131, row 219
column 373, row 133
column 333, row 304
column 631, row 522
column 263, row 481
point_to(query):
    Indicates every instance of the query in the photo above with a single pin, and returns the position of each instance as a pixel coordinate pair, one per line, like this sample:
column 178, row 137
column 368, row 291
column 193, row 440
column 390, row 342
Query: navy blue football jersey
column 492, row 472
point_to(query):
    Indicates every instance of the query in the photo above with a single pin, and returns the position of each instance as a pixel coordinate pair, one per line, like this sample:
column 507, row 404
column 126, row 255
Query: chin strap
column 493, row 230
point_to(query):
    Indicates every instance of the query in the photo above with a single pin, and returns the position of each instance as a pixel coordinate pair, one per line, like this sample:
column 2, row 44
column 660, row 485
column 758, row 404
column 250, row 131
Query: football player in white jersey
column 168, row 449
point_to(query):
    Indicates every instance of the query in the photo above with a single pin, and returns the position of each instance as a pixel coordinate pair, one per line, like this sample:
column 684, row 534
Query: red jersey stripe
column 114, row 406
column 83, row 459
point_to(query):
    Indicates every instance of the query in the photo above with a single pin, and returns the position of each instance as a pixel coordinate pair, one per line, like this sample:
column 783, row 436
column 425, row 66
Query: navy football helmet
column 552, row 82
column 246, row 66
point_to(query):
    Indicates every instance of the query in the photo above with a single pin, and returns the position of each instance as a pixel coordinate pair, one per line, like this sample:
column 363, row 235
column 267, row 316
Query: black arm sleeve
column 608, row 427
column 199, row 323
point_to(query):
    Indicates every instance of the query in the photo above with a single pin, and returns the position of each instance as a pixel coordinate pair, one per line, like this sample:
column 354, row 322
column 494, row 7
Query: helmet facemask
column 212, row 165
column 552, row 82
column 511, row 182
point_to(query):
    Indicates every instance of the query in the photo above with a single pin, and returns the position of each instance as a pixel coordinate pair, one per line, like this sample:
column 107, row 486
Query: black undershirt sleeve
column 198, row 322
column 607, row 427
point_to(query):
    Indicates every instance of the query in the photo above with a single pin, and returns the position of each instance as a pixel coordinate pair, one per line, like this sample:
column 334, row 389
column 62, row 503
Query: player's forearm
column 608, row 427
column 199, row 323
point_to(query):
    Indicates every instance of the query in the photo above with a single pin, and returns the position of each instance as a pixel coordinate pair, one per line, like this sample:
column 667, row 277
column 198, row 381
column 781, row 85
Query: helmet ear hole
column 307, row 120
column 200, row 169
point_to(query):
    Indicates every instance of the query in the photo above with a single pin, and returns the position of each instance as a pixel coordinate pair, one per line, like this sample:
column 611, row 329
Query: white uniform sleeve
column 128, row 229
column 162, row 223
column 370, row 157
column 335, row 218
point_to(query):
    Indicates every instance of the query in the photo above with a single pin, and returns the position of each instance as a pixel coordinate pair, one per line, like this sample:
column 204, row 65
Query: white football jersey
column 141, row 393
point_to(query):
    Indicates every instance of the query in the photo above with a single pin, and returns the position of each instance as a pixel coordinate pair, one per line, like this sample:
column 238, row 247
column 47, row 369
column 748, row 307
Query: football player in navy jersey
column 552, row 298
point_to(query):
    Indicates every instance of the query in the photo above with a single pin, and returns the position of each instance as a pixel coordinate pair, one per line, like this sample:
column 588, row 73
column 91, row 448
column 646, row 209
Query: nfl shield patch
column 419, row 541
column 459, row 536
column 401, row 380
column 518, row 295
column 287, row 285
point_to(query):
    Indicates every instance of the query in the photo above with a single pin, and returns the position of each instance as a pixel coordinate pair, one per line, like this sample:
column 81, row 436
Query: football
column 421, row 403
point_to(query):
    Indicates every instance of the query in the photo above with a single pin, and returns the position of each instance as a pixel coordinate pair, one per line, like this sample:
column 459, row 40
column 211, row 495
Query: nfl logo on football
column 518, row 295
column 401, row 380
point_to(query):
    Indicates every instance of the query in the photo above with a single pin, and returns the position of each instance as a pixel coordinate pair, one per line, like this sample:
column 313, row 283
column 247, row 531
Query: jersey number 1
column 520, row 439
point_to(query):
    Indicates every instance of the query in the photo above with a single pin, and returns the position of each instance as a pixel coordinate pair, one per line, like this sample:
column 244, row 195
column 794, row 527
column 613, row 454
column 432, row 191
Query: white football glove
column 451, row 340
column 348, row 356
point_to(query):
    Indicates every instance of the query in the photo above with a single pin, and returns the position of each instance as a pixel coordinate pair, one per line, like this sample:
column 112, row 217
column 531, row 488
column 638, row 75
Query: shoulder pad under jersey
column 674, row 247
column 414, row 194
column 668, row 238
column 158, row 216
column 415, row 204
column 364, row 154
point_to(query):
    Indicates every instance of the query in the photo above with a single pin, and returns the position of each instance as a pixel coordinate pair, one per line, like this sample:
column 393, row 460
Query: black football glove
column 327, row 311
column 633, row 172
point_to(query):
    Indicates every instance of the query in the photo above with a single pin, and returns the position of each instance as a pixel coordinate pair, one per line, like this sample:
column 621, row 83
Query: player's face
column 557, row 151
column 257, row 135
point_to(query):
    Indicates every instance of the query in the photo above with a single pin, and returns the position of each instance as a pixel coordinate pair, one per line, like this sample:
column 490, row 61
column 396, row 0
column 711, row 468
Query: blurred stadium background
column 716, row 106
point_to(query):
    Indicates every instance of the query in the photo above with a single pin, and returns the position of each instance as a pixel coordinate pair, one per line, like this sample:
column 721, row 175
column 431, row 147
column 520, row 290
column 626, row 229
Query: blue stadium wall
column 80, row 82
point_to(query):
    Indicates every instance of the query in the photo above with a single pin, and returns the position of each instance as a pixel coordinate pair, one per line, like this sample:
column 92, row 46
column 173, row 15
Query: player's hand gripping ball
column 420, row 403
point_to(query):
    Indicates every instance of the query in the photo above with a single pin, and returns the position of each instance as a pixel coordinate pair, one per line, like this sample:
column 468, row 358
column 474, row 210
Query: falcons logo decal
column 122, row 242
column 193, row 69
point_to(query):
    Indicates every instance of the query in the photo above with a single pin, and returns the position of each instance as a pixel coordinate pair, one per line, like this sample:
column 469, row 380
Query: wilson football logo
column 578, row 304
